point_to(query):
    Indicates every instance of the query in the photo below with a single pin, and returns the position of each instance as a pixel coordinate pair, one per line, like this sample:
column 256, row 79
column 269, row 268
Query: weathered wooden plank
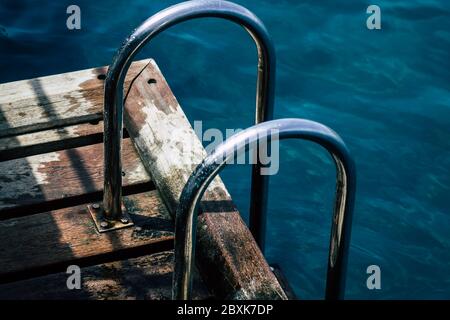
column 48, row 242
column 52, row 180
column 50, row 140
column 148, row 277
column 55, row 101
column 231, row 262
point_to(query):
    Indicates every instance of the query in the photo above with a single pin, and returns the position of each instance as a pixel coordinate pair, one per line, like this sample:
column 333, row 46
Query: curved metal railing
column 203, row 175
column 113, row 99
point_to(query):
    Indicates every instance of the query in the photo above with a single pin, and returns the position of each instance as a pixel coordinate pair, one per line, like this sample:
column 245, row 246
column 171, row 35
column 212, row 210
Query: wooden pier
column 51, row 168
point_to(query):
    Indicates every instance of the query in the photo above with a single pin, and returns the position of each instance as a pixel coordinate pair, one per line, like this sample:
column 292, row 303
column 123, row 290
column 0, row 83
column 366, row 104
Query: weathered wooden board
column 55, row 101
column 45, row 141
column 48, row 242
column 147, row 277
column 39, row 118
column 62, row 178
column 227, row 254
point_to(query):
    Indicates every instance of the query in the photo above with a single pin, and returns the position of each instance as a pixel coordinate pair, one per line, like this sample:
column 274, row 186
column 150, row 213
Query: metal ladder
column 111, row 214
column 204, row 174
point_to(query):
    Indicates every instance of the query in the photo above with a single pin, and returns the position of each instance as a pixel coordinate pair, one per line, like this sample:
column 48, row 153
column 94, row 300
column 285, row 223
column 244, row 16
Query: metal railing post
column 113, row 98
column 203, row 175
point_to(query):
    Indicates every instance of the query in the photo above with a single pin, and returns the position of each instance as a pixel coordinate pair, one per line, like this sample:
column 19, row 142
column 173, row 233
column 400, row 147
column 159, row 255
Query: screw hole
column 101, row 76
column 151, row 81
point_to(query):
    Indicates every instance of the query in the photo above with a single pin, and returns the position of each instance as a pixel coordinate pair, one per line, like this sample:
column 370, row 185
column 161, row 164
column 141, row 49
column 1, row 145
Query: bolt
column 104, row 224
column 96, row 206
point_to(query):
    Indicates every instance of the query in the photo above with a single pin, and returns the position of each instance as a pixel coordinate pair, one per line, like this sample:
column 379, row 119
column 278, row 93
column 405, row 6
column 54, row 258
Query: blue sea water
column 386, row 92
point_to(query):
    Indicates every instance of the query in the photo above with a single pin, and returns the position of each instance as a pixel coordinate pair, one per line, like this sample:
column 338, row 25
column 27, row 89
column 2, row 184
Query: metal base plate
column 97, row 213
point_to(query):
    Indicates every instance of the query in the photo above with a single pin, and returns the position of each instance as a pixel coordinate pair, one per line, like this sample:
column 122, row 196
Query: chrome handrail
column 113, row 98
column 203, row 175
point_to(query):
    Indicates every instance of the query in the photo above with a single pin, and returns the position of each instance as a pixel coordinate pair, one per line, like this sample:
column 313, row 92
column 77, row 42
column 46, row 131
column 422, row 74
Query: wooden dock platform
column 51, row 168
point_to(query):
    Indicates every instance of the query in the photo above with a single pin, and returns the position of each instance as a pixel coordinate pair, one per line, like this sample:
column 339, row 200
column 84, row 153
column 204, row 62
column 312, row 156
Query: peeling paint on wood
column 37, row 167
